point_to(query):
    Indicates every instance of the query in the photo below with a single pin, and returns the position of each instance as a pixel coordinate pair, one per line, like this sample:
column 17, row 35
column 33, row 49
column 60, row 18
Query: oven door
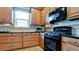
column 52, row 44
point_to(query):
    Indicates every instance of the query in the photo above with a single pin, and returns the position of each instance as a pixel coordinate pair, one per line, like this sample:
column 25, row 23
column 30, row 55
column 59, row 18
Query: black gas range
column 52, row 41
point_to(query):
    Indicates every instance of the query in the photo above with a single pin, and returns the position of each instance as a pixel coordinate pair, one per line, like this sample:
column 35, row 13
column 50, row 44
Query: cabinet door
column 72, row 12
column 41, row 43
column 33, row 16
column 10, row 46
column 43, row 16
column 52, row 9
column 69, row 47
column 38, row 17
column 5, row 15
column 45, row 12
column 30, row 43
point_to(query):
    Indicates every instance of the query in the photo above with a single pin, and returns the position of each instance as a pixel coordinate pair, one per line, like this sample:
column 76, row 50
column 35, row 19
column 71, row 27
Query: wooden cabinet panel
column 72, row 12
column 52, row 9
column 35, row 34
column 31, row 40
column 10, row 46
column 70, row 44
column 36, row 17
column 33, row 16
column 3, row 39
column 69, row 47
column 27, row 38
column 5, row 34
column 26, row 34
column 39, row 16
column 41, row 43
column 15, row 39
column 30, row 43
column 71, row 41
column 5, row 15
column 43, row 16
column 45, row 12
column 7, row 39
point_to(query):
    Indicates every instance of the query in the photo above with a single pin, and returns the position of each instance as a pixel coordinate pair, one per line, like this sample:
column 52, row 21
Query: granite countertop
column 19, row 32
column 72, row 36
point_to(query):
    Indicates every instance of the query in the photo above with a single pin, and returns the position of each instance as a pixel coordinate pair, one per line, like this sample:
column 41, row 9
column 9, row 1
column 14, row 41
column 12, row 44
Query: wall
column 74, row 24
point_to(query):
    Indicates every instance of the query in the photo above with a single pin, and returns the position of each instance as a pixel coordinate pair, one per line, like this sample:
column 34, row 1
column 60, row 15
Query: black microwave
column 58, row 15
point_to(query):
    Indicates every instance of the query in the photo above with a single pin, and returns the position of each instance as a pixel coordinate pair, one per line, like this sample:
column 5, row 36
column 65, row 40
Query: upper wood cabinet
column 36, row 17
column 45, row 12
column 5, row 15
column 39, row 16
column 72, row 12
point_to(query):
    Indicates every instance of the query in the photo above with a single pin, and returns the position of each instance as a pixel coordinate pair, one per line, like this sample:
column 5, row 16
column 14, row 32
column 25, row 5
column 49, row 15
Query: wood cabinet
column 30, row 39
column 72, row 12
column 41, row 43
column 36, row 17
column 5, row 15
column 70, row 44
column 10, row 41
column 69, row 47
column 45, row 12
column 39, row 16
column 10, row 46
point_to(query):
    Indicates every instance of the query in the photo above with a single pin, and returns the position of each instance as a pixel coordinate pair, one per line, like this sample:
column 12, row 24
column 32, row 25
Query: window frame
column 23, row 9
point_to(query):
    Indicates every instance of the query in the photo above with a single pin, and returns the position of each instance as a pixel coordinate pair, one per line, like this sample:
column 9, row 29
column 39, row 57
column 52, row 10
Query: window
column 21, row 17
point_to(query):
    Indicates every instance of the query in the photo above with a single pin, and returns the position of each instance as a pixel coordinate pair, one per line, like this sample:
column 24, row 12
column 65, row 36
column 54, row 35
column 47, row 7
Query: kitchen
column 28, row 28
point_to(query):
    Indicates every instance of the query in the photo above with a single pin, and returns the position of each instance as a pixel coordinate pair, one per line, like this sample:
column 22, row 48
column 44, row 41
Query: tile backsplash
column 73, row 24
column 31, row 29
column 13, row 29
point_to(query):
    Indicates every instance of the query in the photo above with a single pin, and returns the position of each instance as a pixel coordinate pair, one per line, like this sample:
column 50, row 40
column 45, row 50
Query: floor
column 37, row 48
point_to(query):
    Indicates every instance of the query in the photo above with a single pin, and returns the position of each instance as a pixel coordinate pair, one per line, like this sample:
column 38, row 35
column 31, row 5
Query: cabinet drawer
column 30, row 43
column 27, row 34
column 4, row 39
column 28, row 38
column 15, row 39
column 71, row 41
column 8, row 39
column 10, row 46
column 35, row 34
column 5, row 34
column 69, row 47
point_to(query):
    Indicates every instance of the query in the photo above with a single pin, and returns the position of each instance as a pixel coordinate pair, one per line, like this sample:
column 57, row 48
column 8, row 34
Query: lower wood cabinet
column 69, row 47
column 30, row 39
column 10, row 46
column 30, row 43
column 13, row 41
column 70, row 44
column 10, row 41
column 41, row 43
